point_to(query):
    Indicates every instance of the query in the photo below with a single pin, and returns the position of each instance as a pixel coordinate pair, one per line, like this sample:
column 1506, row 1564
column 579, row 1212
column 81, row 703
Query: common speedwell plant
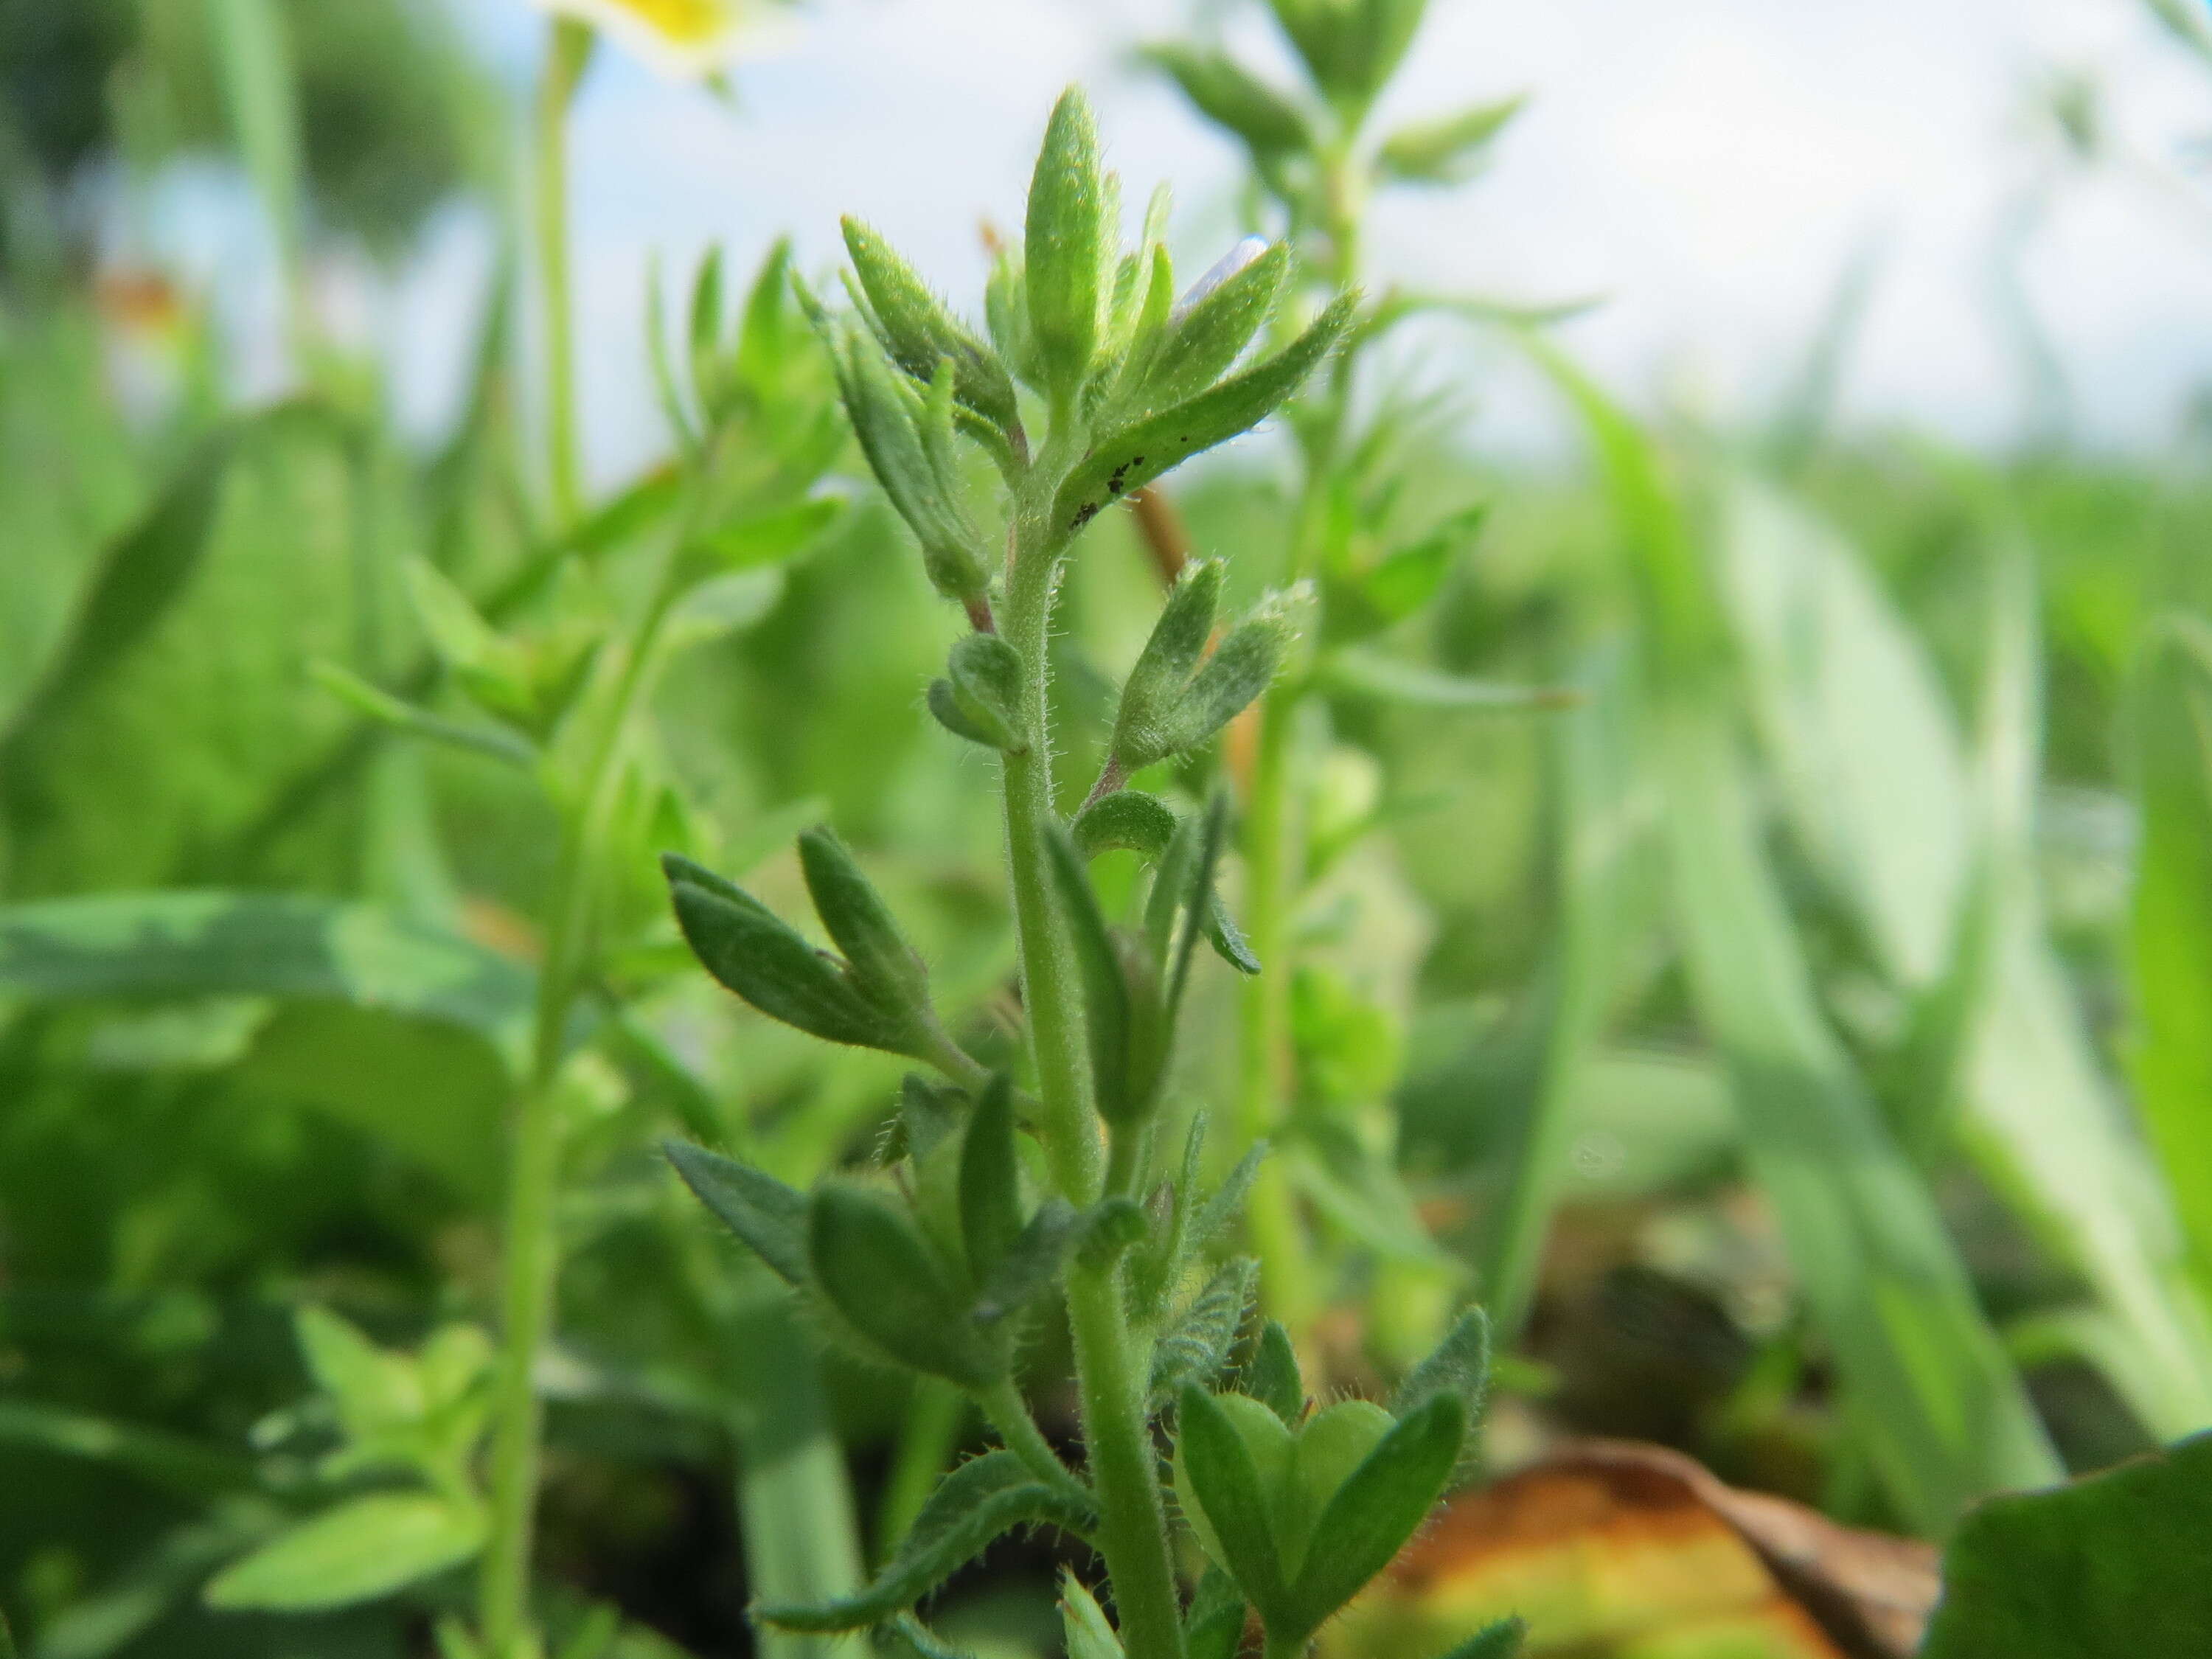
column 1094, row 378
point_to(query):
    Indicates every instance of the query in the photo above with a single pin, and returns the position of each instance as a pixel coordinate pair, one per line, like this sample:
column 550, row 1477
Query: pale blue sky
column 1710, row 165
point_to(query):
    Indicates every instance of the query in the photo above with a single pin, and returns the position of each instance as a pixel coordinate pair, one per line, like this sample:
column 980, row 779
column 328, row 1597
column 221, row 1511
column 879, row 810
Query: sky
column 1711, row 168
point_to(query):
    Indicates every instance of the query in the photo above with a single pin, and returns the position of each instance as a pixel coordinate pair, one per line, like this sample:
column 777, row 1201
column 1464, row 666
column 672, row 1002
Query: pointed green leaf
column 1230, row 95
column 874, row 1265
column 1031, row 1266
column 982, row 1498
column 1243, row 667
column 743, row 944
column 1083, row 1622
column 1380, row 1505
column 1138, row 453
column 918, row 331
column 885, row 967
column 1499, row 1641
column 1460, row 1367
column 1108, row 1017
column 1161, row 676
column 1210, row 329
column 769, row 1216
column 1197, row 1345
column 1449, row 150
column 990, row 1180
column 1271, row 1376
column 356, row 1552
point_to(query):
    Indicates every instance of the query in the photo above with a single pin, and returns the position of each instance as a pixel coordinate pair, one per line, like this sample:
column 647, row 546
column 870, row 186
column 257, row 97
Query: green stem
column 530, row 1246
column 569, row 53
column 794, row 1498
column 1264, row 1079
column 1267, row 1078
column 1132, row 1523
column 1005, row 1411
column 1050, row 988
column 932, row 1433
column 1133, row 1531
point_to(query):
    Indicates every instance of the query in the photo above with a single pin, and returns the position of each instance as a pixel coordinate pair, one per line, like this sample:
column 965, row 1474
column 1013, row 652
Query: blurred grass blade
column 1938, row 863
column 1941, row 1411
column 183, row 1466
column 1592, row 753
column 2170, row 939
column 186, row 944
column 255, row 60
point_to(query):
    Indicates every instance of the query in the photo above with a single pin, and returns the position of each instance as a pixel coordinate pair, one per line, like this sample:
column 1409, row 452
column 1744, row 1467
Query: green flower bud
column 978, row 698
column 1067, row 247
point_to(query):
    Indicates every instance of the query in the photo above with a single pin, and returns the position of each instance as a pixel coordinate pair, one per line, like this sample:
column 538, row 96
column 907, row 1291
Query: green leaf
column 766, row 539
column 359, row 1550
column 744, row 945
column 1227, row 93
column 1210, row 329
column 1351, row 47
column 884, row 968
column 373, row 1390
column 874, row 1266
column 2111, row 1567
column 1123, row 1024
column 990, row 1180
column 907, row 443
column 193, row 1470
column 1450, row 150
column 1225, row 1491
column 1132, row 457
column 381, row 706
column 1459, row 1366
column 920, row 332
column 1083, row 1622
column 1499, row 1641
column 1161, row 676
column 769, row 1216
column 142, row 574
column 1172, row 717
column 1126, row 819
column 981, row 693
column 191, row 944
column 261, row 91
column 1387, row 679
column 1065, row 245
column 982, row 1498
column 1271, row 1376
column 1196, row 1348
column 1380, row 1505
column 1213, row 1626
column 1031, row 1267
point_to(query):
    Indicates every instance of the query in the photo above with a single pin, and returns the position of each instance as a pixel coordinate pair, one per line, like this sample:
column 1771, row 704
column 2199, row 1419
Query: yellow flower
column 686, row 39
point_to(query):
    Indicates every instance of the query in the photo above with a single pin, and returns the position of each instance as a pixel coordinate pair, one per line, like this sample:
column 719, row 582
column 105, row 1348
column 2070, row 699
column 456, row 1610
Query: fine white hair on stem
column 1223, row 269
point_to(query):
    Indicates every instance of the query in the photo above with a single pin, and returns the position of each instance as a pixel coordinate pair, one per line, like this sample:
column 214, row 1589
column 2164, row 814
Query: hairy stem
column 1133, row 1524
column 1050, row 987
column 1133, row 1533
column 1004, row 1408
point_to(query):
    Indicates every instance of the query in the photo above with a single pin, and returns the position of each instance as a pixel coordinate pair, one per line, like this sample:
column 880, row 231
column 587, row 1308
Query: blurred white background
column 1711, row 166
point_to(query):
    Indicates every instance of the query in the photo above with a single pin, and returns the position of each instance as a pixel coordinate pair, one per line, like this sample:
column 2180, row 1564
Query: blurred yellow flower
column 689, row 40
